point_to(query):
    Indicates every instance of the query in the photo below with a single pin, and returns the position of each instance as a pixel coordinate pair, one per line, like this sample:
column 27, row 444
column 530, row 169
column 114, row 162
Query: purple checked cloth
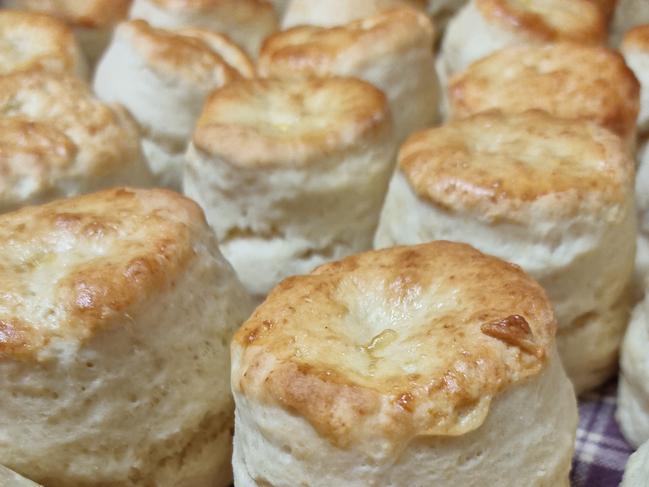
column 601, row 451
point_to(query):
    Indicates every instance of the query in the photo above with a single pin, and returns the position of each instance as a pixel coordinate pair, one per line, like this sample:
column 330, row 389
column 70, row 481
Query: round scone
column 247, row 22
column 31, row 40
column 567, row 80
column 431, row 365
column 169, row 74
column 637, row 468
column 485, row 26
column 628, row 14
column 92, row 20
column 633, row 389
column 9, row 478
column 551, row 195
column 391, row 50
column 291, row 173
column 330, row 13
column 635, row 49
column 116, row 312
column 57, row 140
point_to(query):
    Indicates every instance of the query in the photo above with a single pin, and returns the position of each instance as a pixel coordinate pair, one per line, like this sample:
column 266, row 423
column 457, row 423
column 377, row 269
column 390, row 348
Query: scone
column 633, row 389
column 246, row 22
column 9, row 478
column 635, row 49
column 163, row 78
column 116, row 312
column 567, row 80
column 636, row 472
column 431, row 365
column 57, row 140
column 330, row 13
column 391, row 50
column 628, row 14
column 92, row 20
column 485, row 26
column 291, row 173
column 553, row 196
column 33, row 40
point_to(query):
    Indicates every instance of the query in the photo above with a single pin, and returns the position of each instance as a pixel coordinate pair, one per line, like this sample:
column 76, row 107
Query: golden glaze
column 193, row 56
column 266, row 122
column 315, row 50
column 567, row 80
column 391, row 343
column 80, row 13
column 548, row 20
column 498, row 164
column 32, row 40
column 75, row 266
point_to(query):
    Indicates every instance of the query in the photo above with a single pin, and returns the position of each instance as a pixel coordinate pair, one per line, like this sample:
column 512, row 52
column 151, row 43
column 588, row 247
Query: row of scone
column 293, row 172
column 417, row 365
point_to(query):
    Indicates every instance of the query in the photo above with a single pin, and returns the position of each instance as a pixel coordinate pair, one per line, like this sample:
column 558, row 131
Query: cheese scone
column 116, row 312
column 551, row 195
column 246, row 22
column 391, row 50
column 57, row 140
column 431, row 365
column 163, row 78
column 566, row 80
column 291, row 173
column 485, row 26
column 32, row 40
column 92, row 20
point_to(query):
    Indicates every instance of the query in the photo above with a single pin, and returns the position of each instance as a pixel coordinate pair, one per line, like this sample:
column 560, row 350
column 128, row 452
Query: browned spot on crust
column 405, row 401
column 514, row 330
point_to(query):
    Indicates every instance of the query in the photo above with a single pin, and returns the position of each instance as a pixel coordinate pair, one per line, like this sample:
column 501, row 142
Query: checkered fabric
column 601, row 451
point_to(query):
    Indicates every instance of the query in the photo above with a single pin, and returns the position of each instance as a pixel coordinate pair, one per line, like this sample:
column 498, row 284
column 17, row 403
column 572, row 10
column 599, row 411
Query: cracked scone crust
column 57, row 140
column 289, row 122
column 33, row 40
column 497, row 167
column 567, row 80
column 347, row 369
column 107, row 325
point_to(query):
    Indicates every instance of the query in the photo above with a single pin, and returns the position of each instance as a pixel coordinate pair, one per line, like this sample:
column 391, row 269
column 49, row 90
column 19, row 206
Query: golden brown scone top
column 33, row 40
column 80, row 13
column 193, row 54
column 290, row 122
column 497, row 165
column 548, row 20
column 314, row 50
column 77, row 266
column 567, row 80
column 51, row 125
column 637, row 39
column 395, row 343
